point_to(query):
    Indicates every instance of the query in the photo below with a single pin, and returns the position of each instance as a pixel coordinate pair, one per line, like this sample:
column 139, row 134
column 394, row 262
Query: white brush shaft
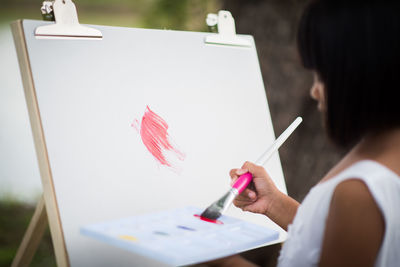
column 263, row 159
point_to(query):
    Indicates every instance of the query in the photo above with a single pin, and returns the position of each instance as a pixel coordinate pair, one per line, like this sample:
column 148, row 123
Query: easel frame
column 47, row 208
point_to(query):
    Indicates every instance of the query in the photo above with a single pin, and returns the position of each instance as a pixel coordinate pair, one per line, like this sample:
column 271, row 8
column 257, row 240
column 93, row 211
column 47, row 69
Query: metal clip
column 66, row 24
column 47, row 10
column 226, row 30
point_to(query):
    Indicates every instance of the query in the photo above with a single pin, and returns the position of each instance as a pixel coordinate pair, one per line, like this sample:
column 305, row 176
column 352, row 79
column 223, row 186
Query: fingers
column 242, row 203
column 233, row 176
column 256, row 170
column 241, row 171
column 235, row 173
column 248, row 193
column 246, row 198
column 232, row 173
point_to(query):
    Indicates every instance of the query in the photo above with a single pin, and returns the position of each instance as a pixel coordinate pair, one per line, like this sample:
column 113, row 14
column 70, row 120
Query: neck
column 383, row 148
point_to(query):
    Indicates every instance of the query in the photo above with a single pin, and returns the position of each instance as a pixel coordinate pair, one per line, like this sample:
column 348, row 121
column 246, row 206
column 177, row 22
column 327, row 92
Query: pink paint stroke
column 154, row 133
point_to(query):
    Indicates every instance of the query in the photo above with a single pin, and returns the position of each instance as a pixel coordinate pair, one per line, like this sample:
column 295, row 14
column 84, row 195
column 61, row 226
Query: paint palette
column 177, row 237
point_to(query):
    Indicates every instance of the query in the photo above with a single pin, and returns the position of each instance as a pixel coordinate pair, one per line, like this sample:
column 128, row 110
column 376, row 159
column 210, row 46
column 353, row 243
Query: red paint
column 135, row 125
column 154, row 133
column 208, row 220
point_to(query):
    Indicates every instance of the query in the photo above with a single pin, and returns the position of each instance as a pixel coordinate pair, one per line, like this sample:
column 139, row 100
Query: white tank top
column 305, row 235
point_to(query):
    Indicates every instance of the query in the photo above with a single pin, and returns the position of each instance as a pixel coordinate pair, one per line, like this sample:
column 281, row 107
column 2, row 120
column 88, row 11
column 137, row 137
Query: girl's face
column 317, row 92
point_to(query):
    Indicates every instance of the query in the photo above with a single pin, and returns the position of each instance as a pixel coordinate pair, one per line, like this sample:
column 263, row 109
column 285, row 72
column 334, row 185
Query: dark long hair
column 354, row 47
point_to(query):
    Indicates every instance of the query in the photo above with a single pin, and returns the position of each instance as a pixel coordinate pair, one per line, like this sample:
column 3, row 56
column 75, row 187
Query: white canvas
column 90, row 92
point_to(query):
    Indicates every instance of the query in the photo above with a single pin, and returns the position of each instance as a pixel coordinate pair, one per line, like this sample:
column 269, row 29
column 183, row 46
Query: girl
column 352, row 216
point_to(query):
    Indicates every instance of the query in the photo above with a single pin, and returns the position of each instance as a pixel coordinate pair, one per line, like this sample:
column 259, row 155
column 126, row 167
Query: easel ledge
column 47, row 209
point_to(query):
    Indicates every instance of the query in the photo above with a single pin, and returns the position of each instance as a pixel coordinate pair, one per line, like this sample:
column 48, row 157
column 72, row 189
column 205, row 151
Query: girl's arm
column 282, row 209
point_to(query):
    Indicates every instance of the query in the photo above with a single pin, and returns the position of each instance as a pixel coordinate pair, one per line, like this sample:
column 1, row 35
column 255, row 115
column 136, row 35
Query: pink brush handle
column 243, row 182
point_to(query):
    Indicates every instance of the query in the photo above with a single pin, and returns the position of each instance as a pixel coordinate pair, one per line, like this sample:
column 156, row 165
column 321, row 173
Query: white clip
column 66, row 24
column 226, row 30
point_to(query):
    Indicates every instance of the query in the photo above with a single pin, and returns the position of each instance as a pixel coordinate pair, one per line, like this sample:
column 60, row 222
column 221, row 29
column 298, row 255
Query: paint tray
column 177, row 237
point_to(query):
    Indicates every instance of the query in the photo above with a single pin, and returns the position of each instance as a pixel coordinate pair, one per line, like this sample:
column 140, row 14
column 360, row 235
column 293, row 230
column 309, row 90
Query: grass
column 14, row 219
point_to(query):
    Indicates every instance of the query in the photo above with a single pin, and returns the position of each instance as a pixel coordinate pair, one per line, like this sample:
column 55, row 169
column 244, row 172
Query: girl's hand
column 260, row 194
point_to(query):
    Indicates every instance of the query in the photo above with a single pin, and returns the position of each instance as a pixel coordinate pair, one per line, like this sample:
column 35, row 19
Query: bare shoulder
column 353, row 203
column 354, row 228
column 354, row 192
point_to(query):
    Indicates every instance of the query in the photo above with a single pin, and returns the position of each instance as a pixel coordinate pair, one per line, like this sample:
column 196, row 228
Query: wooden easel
column 46, row 212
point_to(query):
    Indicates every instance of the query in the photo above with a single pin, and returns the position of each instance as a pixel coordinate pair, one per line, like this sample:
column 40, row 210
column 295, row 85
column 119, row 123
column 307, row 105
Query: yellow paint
column 128, row 237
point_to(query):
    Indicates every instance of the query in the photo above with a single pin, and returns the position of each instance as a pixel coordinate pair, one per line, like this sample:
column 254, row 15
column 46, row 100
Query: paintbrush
column 215, row 210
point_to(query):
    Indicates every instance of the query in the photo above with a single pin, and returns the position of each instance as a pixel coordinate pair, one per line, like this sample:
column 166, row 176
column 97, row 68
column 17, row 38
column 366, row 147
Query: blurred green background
column 305, row 157
column 159, row 14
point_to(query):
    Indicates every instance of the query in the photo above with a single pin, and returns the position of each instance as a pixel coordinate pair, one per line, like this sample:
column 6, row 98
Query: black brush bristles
column 215, row 210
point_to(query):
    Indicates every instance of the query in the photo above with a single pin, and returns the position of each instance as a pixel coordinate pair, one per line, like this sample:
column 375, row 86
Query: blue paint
column 185, row 228
column 160, row 233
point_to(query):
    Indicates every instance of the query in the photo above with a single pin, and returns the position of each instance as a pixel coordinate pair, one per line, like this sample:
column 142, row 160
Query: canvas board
column 92, row 96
